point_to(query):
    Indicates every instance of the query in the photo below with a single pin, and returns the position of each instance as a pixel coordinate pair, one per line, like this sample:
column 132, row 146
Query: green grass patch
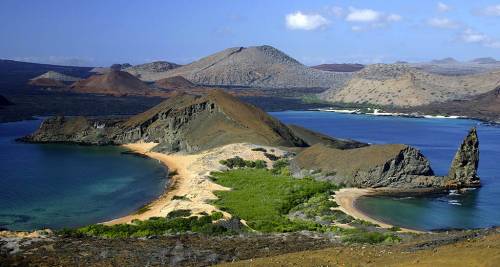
column 264, row 199
column 153, row 227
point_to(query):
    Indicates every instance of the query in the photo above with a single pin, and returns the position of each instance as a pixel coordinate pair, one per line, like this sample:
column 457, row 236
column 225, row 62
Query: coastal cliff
column 190, row 124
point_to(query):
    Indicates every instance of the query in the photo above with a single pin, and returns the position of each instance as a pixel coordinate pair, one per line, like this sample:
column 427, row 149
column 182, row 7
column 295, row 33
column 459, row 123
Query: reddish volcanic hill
column 117, row 83
column 175, row 83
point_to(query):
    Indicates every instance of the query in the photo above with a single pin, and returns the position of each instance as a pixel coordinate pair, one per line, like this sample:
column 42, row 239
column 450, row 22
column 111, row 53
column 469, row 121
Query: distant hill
column 148, row 71
column 483, row 106
column 118, row 83
column 120, row 66
column 57, row 76
column 402, row 85
column 345, row 67
column 448, row 60
column 175, row 83
column 485, row 60
column 15, row 74
column 256, row 66
column 47, row 83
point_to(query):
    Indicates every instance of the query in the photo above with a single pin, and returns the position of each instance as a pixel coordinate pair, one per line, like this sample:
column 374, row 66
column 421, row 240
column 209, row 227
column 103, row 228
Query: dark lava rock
column 463, row 170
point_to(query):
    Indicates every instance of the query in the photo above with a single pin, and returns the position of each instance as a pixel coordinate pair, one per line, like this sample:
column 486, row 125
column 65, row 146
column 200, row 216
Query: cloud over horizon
column 308, row 22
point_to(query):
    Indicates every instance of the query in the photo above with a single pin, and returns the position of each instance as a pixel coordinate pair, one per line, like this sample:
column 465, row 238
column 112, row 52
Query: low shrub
column 271, row 156
column 178, row 213
column 151, row 227
column 180, row 198
column 238, row 162
column 371, row 238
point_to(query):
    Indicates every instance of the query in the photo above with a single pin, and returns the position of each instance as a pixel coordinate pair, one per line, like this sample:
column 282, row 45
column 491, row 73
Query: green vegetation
column 143, row 209
column 264, row 199
column 154, row 226
column 271, row 156
column 363, row 223
column 318, row 205
column 238, row 162
column 180, row 198
column 359, row 236
column 395, row 229
column 261, row 149
column 178, row 213
column 281, row 167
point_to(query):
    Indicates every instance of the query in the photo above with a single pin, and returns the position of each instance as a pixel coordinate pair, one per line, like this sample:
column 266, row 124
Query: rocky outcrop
column 399, row 167
column 463, row 170
column 312, row 138
column 182, row 123
column 371, row 166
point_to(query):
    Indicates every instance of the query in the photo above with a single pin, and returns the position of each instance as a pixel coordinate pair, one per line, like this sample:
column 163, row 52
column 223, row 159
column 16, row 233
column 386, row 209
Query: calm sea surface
column 438, row 139
column 55, row 185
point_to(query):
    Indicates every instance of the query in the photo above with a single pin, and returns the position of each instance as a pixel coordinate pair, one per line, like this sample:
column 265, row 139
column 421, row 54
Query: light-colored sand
column 192, row 180
column 346, row 199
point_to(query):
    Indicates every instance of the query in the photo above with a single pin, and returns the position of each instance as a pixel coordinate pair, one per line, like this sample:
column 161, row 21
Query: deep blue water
column 56, row 185
column 438, row 139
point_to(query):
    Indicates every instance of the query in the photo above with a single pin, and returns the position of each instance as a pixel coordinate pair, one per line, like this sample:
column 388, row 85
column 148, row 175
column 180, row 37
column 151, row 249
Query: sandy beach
column 191, row 185
column 346, row 199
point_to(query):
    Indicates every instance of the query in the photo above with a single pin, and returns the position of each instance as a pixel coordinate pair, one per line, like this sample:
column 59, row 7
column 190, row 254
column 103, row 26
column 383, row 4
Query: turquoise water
column 438, row 139
column 56, row 185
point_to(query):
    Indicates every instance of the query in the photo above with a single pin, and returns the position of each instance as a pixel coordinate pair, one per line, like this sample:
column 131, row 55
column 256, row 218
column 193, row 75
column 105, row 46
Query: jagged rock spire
column 463, row 170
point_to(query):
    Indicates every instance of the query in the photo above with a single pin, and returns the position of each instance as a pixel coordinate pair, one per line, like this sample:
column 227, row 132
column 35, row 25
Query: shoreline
column 190, row 187
column 377, row 113
column 346, row 198
column 179, row 185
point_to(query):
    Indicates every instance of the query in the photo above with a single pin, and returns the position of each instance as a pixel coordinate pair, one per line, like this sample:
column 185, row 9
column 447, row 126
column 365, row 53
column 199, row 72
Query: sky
column 100, row 33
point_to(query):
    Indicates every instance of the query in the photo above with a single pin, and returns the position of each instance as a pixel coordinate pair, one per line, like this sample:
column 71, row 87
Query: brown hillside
column 175, row 83
column 117, row 83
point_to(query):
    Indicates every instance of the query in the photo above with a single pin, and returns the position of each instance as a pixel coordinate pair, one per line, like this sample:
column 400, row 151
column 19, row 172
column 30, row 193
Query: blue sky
column 104, row 32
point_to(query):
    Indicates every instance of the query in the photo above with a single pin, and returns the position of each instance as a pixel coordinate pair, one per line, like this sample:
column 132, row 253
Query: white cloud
column 471, row 36
column 363, row 15
column 301, row 21
column 492, row 11
column 370, row 19
column 444, row 23
column 442, row 7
